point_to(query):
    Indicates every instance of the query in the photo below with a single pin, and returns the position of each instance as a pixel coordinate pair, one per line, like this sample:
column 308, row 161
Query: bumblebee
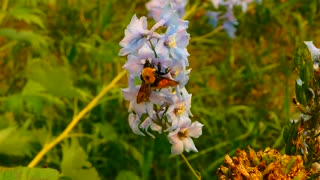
column 153, row 79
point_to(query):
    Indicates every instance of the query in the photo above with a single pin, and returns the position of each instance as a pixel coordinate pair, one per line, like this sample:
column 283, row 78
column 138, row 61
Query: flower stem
column 190, row 167
column 214, row 31
column 4, row 9
column 74, row 121
column 191, row 10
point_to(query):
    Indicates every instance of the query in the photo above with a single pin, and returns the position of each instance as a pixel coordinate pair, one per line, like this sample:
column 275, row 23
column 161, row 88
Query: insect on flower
column 152, row 79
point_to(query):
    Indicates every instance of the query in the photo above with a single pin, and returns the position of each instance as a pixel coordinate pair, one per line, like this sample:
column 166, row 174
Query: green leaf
column 127, row 175
column 36, row 40
column 28, row 15
column 14, row 104
column 75, row 164
column 33, row 89
column 306, row 72
column 24, row 173
column 54, row 78
column 18, row 103
column 289, row 135
column 300, row 94
column 107, row 131
column 15, row 141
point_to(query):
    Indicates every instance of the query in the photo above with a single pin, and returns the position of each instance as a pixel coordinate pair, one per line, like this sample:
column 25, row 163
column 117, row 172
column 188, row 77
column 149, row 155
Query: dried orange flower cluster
column 268, row 164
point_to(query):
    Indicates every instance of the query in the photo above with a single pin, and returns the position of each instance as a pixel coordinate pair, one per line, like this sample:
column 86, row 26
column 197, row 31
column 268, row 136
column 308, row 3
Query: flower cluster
column 303, row 135
column 228, row 18
column 157, row 61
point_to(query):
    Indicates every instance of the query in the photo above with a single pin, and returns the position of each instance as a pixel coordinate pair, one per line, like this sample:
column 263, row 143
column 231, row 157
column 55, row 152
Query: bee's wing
column 164, row 82
column 144, row 93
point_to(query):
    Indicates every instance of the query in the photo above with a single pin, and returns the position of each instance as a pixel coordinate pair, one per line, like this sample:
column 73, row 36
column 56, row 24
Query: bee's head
column 148, row 63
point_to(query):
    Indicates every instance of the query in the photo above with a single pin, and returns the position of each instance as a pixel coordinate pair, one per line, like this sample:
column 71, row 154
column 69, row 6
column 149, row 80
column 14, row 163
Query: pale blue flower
column 174, row 42
column 130, row 94
column 135, row 35
column 230, row 29
column 166, row 109
column 213, row 18
column 155, row 7
column 229, row 21
column 179, row 110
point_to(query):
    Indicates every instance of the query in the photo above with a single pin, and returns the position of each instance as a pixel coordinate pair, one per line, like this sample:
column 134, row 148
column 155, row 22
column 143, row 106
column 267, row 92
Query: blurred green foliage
column 55, row 56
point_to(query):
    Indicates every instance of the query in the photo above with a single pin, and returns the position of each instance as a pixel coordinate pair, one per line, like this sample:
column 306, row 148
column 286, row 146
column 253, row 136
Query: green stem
column 190, row 167
column 4, row 9
column 191, row 10
column 153, row 49
column 214, row 31
column 75, row 121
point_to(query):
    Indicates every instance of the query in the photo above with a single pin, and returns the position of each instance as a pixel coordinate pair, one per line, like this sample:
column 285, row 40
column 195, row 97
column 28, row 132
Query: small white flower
column 299, row 81
column 305, row 117
column 315, row 54
column 181, row 138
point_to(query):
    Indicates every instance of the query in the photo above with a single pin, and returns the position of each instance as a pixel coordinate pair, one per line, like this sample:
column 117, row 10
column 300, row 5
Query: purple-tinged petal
column 133, row 65
column 213, row 18
column 184, row 123
column 229, row 27
column 155, row 8
column 129, row 94
column 135, row 34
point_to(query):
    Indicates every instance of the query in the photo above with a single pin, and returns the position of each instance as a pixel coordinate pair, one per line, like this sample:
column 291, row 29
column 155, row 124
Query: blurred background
column 56, row 56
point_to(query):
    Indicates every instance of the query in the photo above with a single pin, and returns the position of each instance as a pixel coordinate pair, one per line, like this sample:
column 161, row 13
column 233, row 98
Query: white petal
column 189, row 145
column 184, row 122
column 156, row 127
column 195, row 129
column 215, row 3
column 133, row 65
column 134, row 122
column 177, row 148
column 149, row 108
column 299, row 81
column 315, row 52
column 139, row 109
column 173, row 136
column 145, row 126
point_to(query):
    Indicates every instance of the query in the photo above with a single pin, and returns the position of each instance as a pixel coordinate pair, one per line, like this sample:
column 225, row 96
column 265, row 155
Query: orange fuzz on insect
column 152, row 78
column 148, row 75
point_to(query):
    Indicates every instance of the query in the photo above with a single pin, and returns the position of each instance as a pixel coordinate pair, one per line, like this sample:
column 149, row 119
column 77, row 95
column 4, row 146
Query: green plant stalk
column 74, row 121
column 205, row 36
column 4, row 9
column 191, row 10
column 190, row 167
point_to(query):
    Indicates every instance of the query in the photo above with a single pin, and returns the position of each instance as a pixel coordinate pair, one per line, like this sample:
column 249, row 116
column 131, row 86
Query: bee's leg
column 159, row 67
column 167, row 70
